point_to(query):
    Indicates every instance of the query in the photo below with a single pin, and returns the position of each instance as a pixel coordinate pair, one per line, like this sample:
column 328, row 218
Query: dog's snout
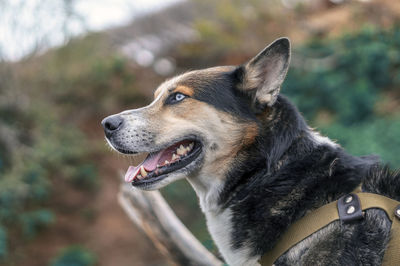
column 112, row 124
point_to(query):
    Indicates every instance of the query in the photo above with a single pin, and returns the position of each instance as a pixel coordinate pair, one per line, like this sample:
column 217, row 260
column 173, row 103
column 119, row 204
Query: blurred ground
column 96, row 222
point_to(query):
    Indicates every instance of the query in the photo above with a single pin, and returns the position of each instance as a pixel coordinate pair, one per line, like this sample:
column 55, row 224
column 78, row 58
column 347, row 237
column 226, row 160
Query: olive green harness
column 347, row 208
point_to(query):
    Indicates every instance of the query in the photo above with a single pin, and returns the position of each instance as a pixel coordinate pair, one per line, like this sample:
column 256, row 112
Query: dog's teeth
column 181, row 150
column 158, row 165
column 188, row 149
column 174, row 157
column 143, row 171
column 166, row 162
column 191, row 145
column 140, row 177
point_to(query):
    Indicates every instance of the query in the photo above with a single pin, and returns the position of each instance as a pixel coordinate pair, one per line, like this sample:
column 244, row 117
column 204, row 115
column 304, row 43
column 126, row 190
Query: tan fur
column 217, row 128
column 192, row 115
column 251, row 132
column 185, row 90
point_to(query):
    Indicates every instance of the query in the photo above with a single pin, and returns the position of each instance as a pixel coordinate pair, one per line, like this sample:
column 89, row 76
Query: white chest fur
column 220, row 227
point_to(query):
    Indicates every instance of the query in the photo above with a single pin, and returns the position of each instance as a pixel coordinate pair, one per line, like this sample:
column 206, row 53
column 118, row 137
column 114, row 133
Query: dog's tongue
column 131, row 173
column 154, row 159
column 149, row 164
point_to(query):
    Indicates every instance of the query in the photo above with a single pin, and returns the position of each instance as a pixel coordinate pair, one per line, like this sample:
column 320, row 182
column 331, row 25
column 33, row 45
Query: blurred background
column 66, row 64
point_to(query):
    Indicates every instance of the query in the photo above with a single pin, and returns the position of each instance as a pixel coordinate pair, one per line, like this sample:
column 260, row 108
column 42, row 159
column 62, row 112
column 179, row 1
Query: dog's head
column 200, row 120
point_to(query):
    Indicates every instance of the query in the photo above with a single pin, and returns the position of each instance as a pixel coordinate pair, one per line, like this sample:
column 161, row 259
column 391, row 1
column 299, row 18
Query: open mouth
column 158, row 164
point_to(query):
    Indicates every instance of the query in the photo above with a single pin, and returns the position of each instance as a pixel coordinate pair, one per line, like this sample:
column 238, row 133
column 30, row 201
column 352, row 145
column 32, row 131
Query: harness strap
column 327, row 214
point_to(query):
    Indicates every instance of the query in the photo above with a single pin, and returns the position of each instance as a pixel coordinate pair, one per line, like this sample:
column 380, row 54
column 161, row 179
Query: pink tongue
column 150, row 164
column 131, row 173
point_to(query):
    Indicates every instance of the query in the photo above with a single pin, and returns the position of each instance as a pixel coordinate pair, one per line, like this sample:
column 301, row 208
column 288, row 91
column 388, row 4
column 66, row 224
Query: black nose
column 112, row 124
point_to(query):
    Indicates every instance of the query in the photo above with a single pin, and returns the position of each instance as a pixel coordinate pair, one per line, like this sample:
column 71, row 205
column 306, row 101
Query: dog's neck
column 208, row 189
column 291, row 171
column 267, row 155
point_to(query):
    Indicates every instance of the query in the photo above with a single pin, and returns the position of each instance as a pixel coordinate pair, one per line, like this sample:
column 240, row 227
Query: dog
column 254, row 163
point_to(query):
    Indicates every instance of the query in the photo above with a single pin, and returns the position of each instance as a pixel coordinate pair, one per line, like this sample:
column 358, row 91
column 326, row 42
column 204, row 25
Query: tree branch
column 152, row 214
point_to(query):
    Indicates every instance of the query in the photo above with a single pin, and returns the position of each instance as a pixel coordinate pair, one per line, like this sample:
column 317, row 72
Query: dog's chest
column 221, row 227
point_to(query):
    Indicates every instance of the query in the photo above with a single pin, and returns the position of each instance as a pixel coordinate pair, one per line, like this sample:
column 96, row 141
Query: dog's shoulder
column 384, row 181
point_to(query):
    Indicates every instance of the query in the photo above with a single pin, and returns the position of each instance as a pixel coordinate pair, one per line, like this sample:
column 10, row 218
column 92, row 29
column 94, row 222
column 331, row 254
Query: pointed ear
column 263, row 75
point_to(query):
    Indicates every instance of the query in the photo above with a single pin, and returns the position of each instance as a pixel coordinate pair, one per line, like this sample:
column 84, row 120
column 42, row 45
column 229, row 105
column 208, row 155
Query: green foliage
column 3, row 243
column 56, row 151
column 84, row 176
column 380, row 136
column 49, row 101
column 223, row 31
column 346, row 79
column 100, row 82
column 74, row 256
column 33, row 221
column 40, row 147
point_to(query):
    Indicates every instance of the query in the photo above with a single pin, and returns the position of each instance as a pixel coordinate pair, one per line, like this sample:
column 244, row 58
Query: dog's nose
column 112, row 124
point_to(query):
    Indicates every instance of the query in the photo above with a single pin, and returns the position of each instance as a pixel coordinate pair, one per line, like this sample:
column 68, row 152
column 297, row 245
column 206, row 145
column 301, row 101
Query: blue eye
column 175, row 98
column 179, row 97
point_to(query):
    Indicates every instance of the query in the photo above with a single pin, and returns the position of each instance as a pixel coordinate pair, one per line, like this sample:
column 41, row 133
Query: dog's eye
column 175, row 98
column 179, row 97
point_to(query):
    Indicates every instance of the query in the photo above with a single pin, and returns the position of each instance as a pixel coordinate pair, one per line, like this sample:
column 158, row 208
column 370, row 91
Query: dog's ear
column 263, row 75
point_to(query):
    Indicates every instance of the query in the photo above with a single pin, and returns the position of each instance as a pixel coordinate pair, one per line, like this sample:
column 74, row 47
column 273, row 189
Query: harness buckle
column 349, row 208
column 397, row 212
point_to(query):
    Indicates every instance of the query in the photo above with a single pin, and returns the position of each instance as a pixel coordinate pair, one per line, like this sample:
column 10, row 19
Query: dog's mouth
column 158, row 164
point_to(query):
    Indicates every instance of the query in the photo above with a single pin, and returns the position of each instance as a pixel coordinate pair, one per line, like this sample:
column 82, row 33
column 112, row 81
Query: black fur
column 284, row 174
column 383, row 181
column 218, row 90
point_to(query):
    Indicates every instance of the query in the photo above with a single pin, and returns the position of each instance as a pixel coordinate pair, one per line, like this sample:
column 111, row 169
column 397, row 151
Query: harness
column 348, row 208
